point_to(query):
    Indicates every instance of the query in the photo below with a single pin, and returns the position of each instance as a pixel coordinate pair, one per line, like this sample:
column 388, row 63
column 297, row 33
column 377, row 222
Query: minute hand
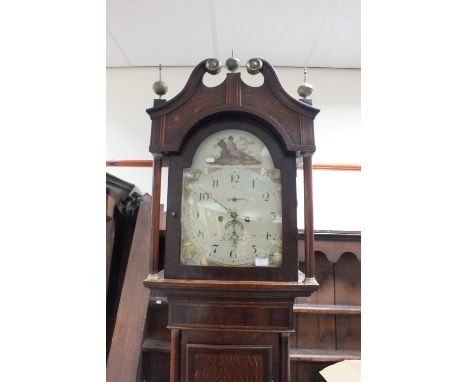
column 233, row 214
column 227, row 209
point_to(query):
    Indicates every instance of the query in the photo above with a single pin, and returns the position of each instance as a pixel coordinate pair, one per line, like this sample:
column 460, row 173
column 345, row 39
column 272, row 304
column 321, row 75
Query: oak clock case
column 229, row 218
column 231, row 260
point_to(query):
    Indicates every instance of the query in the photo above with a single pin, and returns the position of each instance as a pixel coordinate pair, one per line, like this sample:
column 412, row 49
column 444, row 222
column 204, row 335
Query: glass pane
column 231, row 204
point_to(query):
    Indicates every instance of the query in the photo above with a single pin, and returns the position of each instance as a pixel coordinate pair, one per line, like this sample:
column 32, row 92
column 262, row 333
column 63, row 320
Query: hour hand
column 236, row 199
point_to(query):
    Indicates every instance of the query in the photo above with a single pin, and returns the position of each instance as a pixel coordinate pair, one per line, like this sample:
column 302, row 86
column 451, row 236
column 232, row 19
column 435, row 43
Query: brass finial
column 254, row 66
column 305, row 89
column 160, row 87
column 232, row 63
column 212, row 66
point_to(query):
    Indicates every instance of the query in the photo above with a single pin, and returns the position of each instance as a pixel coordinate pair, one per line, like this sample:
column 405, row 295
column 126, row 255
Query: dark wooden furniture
column 326, row 324
column 116, row 190
column 231, row 323
column 120, row 223
column 124, row 355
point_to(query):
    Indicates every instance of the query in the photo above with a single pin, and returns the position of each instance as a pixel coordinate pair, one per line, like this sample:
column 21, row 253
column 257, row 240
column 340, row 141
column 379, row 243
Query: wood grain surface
column 124, row 355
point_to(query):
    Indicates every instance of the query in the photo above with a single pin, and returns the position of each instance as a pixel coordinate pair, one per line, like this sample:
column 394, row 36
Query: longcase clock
column 231, row 262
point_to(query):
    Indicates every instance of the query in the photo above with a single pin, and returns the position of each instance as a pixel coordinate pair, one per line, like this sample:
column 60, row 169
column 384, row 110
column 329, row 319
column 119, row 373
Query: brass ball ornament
column 232, row 63
column 160, row 87
column 305, row 89
column 212, row 66
column 254, row 66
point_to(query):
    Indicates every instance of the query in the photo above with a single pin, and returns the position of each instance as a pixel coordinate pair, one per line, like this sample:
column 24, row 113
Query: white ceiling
column 313, row 33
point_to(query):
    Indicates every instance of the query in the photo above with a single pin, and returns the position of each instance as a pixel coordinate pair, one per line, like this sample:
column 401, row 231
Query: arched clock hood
column 291, row 120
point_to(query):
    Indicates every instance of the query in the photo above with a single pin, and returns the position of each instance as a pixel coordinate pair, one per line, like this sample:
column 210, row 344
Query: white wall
column 337, row 131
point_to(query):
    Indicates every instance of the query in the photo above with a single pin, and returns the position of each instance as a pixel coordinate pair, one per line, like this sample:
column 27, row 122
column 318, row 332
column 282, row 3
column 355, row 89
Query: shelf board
column 150, row 345
column 322, row 355
column 298, row 308
column 327, row 309
column 295, row 355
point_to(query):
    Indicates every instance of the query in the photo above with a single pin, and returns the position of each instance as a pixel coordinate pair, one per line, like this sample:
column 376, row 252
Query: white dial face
column 231, row 204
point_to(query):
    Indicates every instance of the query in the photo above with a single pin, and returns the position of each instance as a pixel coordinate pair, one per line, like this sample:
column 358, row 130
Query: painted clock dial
column 231, row 204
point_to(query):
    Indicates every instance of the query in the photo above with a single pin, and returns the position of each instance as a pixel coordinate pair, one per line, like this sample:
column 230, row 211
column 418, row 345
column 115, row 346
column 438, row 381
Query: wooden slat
column 316, row 331
column 348, row 332
column 348, row 280
column 156, row 346
column 124, row 355
column 129, row 163
column 295, row 355
column 320, row 355
column 337, row 167
column 327, row 309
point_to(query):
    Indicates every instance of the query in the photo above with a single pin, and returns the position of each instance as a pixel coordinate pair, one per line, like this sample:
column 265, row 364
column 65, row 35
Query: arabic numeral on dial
column 266, row 196
column 235, row 178
column 204, row 196
column 200, row 234
column 255, row 249
column 253, row 183
column 268, row 235
column 215, row 183
column 232, row 254
column 215, row 247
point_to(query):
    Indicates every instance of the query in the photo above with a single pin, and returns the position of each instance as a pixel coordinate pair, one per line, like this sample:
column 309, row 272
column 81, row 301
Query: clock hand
column 211, row 197
column 233, row 213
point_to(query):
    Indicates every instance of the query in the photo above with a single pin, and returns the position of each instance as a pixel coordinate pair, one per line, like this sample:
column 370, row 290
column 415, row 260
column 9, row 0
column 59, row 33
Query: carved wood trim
column 116, row 185
column 333, row 244
column 290, row 119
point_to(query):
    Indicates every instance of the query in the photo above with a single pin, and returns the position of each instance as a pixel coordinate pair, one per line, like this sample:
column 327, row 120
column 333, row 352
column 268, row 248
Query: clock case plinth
column 209, row 318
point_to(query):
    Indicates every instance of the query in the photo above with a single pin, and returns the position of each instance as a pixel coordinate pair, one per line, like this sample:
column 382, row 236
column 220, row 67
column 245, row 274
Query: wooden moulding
column 116, row 186
column 259, row 306
column 297, row 308
column 150, row 345
column 235, row 315
column 322, row 355
column 333, row 244
column 327, row 309
column 289, row 118
column 260, row 289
